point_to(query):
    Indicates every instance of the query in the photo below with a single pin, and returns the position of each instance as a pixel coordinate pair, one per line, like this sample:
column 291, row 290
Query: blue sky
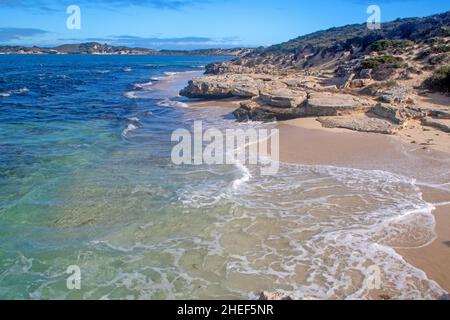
column 189, row 24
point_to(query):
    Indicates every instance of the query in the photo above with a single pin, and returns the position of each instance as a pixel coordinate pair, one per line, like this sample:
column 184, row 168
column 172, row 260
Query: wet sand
column 305, row 141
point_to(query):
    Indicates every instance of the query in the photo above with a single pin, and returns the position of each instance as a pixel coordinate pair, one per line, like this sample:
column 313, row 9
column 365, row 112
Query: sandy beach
column 305, row 141
column 414, row 152
column 422, row 155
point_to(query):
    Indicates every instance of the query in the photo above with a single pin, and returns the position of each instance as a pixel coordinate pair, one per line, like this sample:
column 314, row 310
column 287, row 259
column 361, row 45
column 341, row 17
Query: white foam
column 135, row 119
column 131, row 127
column 21, row 90
column 246, row 176
column 131, row 95
column 384, row 211
column 172, row 103
column 14, row 92
column 145, row 85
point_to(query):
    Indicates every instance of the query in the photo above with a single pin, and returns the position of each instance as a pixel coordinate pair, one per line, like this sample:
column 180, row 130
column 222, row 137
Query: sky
column 191, row 24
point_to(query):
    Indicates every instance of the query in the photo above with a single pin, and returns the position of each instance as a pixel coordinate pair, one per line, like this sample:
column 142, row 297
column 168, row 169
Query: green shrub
column 374, row 62
column 441, row 48
column 382, row 45
column 440, row 80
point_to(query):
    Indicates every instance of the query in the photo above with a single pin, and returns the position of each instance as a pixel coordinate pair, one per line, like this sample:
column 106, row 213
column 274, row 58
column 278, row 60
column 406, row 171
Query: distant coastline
column 95, row 48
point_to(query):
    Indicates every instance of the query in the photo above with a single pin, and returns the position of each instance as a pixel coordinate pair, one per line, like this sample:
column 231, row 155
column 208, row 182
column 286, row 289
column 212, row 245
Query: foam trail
column 143, row 86
column 171, row 103
column 131, row 127
column 246, row 175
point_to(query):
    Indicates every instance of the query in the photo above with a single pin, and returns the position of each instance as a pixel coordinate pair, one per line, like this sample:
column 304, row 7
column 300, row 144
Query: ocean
column 86, row 180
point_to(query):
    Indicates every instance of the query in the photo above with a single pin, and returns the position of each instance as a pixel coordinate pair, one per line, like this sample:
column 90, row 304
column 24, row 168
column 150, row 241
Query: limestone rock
column 283, row 98
column 362, row 123
column 397, row 115
column 223, row 86
column 245, row 91
column 329, row 88
column 359, row 83
column 208, row 87
column 303, row 83
column 440, row 124
column 229, row 85
column 333, row 104
column 365, row 74
column 256, row 110
column 348, row 81
column 440, row 113
column 395, row 95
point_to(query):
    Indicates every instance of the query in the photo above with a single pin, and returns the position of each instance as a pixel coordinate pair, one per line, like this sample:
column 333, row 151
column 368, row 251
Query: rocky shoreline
column 346, row 77
column 272, row 97
column 391, row 83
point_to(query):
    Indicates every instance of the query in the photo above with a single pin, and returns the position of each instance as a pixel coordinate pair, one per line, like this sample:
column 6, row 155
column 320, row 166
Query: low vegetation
column 440, row 48
column 390, row 44
column 374, row 62
column 440, row 80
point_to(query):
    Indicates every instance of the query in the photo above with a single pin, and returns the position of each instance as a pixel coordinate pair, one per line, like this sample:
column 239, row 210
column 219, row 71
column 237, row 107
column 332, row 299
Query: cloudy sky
column 189, row 24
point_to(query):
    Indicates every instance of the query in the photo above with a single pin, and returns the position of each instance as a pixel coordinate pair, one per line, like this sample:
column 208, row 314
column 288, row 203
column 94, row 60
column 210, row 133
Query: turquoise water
column 86, row 179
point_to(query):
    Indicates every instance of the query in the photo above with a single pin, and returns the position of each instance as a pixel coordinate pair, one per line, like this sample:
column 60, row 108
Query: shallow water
column 86, row 179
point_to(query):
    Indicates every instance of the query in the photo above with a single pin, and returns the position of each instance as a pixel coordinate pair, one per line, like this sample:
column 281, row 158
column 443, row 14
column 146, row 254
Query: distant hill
column 98, row 48
column 333, row 46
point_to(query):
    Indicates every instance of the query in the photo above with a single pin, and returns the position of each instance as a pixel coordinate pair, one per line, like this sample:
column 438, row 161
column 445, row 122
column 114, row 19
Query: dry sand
column 305, row 141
